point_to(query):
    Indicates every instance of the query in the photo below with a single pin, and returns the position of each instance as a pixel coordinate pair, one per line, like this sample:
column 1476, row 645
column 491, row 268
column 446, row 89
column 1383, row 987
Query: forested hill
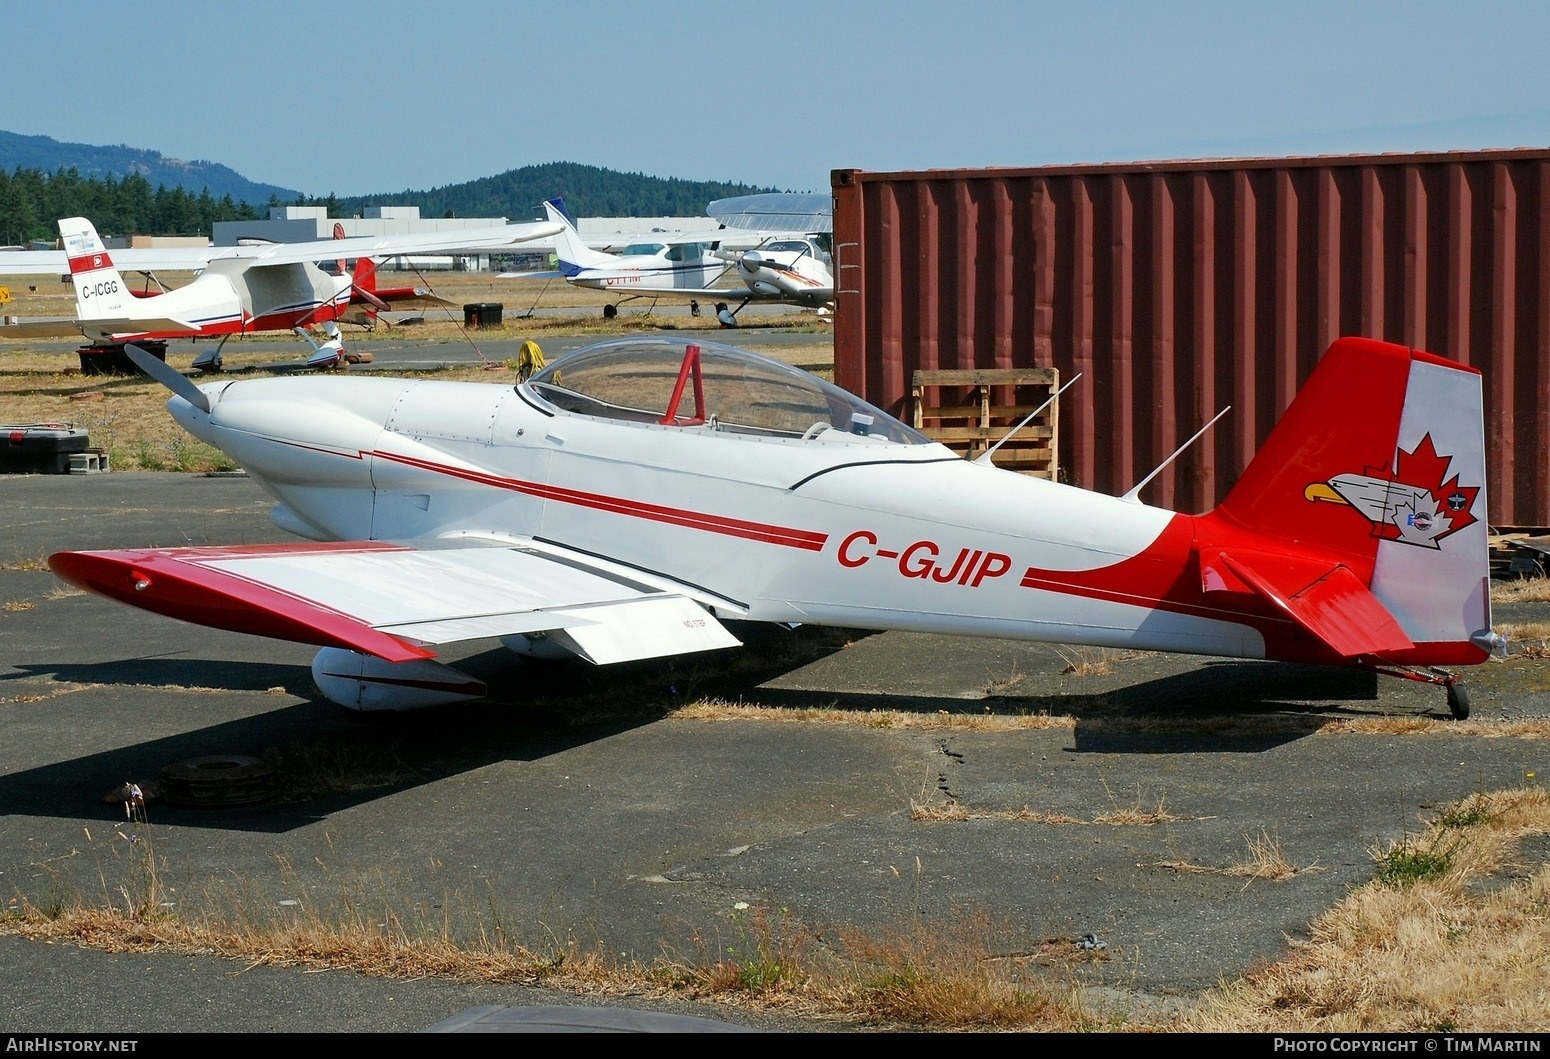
column 48, row 155
column 519, row 194
column 128, row 191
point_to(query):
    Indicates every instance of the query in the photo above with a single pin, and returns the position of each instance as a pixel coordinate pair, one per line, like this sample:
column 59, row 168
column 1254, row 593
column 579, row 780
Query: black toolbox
column 40, row 448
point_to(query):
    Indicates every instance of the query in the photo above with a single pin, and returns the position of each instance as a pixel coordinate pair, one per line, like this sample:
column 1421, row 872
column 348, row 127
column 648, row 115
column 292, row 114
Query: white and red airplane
column 242, row 289
column 681, row 266
column 771, row 264
column 795, row 268
column 631, row 496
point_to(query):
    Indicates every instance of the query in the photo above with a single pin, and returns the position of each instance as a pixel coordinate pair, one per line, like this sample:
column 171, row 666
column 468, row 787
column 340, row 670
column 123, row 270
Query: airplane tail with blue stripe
column 574, row 255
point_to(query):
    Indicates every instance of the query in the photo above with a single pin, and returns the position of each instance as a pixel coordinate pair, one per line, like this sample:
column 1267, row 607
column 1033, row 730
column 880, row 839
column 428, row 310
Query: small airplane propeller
column 168, row 376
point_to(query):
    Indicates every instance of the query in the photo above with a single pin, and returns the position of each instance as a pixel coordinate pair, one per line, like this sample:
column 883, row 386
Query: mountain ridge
column 517, row 194
column 94, row 161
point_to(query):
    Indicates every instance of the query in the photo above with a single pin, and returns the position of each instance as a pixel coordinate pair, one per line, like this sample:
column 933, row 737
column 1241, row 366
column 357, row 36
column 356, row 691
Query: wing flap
column 390, row 600
column 650, row 627
column 1326, row 599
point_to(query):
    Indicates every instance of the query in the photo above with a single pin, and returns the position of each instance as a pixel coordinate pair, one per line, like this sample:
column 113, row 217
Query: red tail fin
column 1374, row 479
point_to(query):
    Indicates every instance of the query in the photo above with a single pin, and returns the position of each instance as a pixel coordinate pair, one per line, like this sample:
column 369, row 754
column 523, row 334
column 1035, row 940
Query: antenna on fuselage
column 984, row 457
column 1131, row 496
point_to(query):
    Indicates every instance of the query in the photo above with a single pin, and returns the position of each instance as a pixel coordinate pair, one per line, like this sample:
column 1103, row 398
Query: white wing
column 391, row 600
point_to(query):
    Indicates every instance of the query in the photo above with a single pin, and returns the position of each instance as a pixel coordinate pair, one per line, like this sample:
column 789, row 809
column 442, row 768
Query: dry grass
column 1141, row 813
column 1526, row 640
column 712, row 709
column 1520, row 590
column 1265, row 860
column 1084, row 661
column 978, row 720
column 1429, row 950
column 1449, row 936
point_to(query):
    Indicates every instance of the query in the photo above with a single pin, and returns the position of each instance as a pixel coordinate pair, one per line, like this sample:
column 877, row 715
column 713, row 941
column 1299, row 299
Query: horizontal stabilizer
column 107, row 327
column 1327, row 600
column 39, row 327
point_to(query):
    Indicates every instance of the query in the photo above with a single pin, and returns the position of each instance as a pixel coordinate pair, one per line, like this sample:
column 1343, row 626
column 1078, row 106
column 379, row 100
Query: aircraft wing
column 395, row 600
column 33, row 263
column 57, row 263
column 175, row 259
column 737, row 292
column 410, row 298
column 776, row 211
column 494, row 237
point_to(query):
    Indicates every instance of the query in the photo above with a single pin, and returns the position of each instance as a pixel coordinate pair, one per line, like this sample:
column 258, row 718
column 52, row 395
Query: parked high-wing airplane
column 625, row 500
column 239, row 289
column 787, row 268
column 798, row 269
column 676, row 267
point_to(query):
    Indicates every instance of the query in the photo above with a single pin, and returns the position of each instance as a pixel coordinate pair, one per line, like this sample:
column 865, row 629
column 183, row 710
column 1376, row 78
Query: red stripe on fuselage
column 734, row 527
column 1166, row 577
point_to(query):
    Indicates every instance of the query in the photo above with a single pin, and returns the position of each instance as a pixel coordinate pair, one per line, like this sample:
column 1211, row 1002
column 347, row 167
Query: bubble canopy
column 708, row 385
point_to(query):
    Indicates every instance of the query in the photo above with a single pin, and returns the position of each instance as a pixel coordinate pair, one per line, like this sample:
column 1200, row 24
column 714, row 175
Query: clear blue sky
column 362, row 97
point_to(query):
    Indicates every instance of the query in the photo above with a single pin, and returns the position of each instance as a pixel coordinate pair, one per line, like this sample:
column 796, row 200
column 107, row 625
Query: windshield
column 674, row 383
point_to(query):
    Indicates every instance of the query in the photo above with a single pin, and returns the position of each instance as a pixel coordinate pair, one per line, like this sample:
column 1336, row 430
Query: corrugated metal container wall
column 1179, row 288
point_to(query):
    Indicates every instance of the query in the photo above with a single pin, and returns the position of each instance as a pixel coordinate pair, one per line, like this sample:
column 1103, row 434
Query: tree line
column 32, row 201
column 589, row 191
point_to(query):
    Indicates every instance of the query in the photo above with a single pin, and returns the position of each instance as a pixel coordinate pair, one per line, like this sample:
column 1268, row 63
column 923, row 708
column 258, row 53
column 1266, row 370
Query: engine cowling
column 367, row 683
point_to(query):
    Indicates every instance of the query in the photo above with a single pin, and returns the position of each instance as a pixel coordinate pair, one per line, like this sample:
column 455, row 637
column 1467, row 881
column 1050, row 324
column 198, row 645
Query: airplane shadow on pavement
column 328, row 759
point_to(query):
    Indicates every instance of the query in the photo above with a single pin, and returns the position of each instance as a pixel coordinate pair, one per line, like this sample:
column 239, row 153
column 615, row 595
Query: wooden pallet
column 1519, row 551
column 971, row 409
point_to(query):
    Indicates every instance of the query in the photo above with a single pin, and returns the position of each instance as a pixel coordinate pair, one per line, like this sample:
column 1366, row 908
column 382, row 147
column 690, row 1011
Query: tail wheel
column 610, row 311
column 1458, row 701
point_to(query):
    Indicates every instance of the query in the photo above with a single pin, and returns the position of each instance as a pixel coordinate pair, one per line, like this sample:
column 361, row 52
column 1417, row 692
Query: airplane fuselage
column 834, row 529
column 230, row 298
column 695, row 273
column 626, row 499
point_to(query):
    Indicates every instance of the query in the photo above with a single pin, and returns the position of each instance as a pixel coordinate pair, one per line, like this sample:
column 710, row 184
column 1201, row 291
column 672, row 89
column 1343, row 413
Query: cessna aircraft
column 238, row 289
column 773, row 267
column 683, row 267
column 625, row 500
column 794, row 268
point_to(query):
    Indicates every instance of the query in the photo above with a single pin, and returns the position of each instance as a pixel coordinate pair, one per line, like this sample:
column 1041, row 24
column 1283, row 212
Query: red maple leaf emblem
column 1423, row 469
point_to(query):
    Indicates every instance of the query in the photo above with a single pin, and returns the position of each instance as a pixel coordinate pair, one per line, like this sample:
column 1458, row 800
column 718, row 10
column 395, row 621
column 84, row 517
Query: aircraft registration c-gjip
column 239, row 289
column 775, row 266
column 631, row 496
